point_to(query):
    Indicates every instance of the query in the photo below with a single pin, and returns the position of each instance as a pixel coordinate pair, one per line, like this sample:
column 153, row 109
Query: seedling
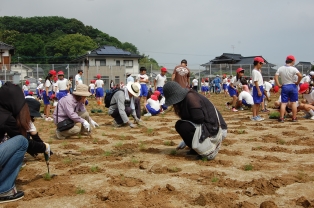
column 107, row 153
column 149, row 131
column 215, row 179
column 248, row 167
column 79, row 190
column 67, row 161
column 204, row 159
column 64, row 144
column 122, row 137
column 82, row 149
column 79, row 136
column 50, row 141
column 281, row 141
column 94, row 169
column 167, row 143
column 241, row 131
column 103, row 134
column 174, row 169
column 173, row 152
column 142, row 145
column 95, row 140
column 47, row 177
column 119, row 144
column 134, row 160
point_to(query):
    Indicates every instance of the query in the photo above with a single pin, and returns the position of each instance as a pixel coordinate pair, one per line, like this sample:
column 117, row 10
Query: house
column 228, row 63
column 304, row 67
column 6, row 51
column 110, row 62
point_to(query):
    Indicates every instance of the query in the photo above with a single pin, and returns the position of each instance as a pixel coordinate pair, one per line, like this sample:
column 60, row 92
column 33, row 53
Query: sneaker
column 234, row 110
column 148, row 114
column 281, row 120
column 10, row 196
column 261, row 118
column 294, row 119
column 253, row 118
column 227, row 106
column 240, row 109
column 256, row 118
column 308, row 116
column 312, row 118
column 115, row 124
column 48, row 119
column 59, row 136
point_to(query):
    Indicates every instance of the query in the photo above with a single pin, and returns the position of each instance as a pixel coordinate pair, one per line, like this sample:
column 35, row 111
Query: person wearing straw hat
column 72, row 107
column 194, row 109
column 123, row 104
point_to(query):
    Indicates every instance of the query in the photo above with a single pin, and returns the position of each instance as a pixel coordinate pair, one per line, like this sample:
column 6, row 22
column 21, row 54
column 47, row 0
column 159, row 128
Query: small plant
column 241, row 131
column 67, row 161
column 103, row 134
column 79, row 190
column 204, row 159
column 134, row 160
column 119, row 144
column 274, row 115
column 47, row 177
column 281, row 141
column 64, row 144
column 248, row 167
column 50, row 141
column 95, row 140
column 122, row 137
column 149, row 131
column 215, row 179
column 94, row 169
column 107, row 153
column 80, row 136
column 142, row 145
column 174, row 169
column 173, row 152
column 82, row 149
column 167, row 143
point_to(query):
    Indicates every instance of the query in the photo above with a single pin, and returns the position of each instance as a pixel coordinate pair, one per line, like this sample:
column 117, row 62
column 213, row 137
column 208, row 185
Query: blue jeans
column 11, row 157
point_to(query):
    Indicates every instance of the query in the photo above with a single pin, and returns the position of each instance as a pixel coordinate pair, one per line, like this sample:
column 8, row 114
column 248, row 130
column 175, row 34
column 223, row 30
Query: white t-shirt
column 234, row 81
column 287, row 74
column 305, row 79
column 309, row 97
column 162, row 101
column 160, row 80
column 267, row 86
column 25, row 88
column 141, row 78
column 62, row 84
column 257, row 76
column 129, row 79
column 40, row 86
column 206, row 84
column 247, row 97
column 195, row 82
column 153, row 104
column 29, row 96
column 271, row 81
column 55, row 87
column 78, row 79
column 225, row 81
column 48, row 84
column 92, row 86
column 99, row 83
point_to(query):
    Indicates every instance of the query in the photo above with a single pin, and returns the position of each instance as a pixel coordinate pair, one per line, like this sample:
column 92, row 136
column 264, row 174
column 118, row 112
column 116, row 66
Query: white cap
column 304, row 75
column 40, row 79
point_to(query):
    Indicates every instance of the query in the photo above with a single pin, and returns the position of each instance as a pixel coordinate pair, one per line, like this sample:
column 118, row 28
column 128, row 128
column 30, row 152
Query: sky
column 196, row 30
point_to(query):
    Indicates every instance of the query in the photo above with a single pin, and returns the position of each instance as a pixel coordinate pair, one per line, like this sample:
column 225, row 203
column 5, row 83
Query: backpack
column 108, row 97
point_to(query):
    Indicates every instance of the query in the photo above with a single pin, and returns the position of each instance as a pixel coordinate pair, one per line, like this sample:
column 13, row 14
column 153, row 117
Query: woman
column 232, row 88
column 14, row 123
column 47, row 93
column 195, row 109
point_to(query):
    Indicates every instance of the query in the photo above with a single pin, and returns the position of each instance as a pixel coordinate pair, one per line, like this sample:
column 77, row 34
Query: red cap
column 290, row 57
column 27, row 82
column 154, row 97
column 98, row 76
column 163, row 69
column 55, row 79
column 276, row 89
column 157, row 93
column 60, row 73
column 52, row 72
column 303, row 87
column 259, row 59
column 206, row 79
column 239, row 69
column 52, row 96
column 30, row 93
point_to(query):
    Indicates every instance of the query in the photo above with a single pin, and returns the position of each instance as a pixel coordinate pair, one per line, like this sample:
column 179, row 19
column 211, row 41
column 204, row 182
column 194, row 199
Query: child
column 47, row 93
column 35, row 144
column 225, row 84
column 206, row 88
column 142, row 78
column 62, row 85
column 26, row 88
column 99, row 84
column 39, row 89
column 162, row 101
column 267, row 87
column 308, row 95
column 70, row 84
column 92, row 87
column 152, row 106
column 160, row 80
column 258, row 89
column 232, row 89
column 121, row 85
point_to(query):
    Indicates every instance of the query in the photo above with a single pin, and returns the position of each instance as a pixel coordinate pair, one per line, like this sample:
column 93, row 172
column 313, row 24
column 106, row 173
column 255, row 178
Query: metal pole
column 231, row 69
column 210, row 69
column 199, row 75
column 37, row 72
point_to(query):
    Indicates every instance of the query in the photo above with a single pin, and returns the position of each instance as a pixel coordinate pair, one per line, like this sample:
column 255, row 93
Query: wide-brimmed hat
column 82, row 90
column 134, row 88
column 174, row 93
column 34, row 107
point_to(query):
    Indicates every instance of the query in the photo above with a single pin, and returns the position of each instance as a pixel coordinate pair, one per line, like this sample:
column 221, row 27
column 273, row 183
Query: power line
column 180, row 53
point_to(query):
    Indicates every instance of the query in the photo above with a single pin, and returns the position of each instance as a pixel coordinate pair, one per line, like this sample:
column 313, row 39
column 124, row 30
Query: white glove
column 94, row 124
column 86, row 125
column 132, row 125
column 182, row 145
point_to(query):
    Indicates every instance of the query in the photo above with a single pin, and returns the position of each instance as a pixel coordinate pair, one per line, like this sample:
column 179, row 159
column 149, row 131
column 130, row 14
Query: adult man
column 195, row 84
column 78, row 78
column 216, row 83
column 129, row 77
column 123, row 104
column 289, row 89
column 72, row 107
column 181, row 74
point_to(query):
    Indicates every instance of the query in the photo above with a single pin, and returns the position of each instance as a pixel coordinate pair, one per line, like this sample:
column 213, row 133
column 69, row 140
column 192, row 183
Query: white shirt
column 62, row 84
column 153, row 104
column 287, row 74
column 92, row 86
column 32, row 127
column 99, row 83
column 195, row 82
column 130, row 79
column 271, row 81
column 309, row 97
column 55, row 87
column 78, row 79
column 141, row 78
column 247, row 97
column 160, row 80
column 29, row 96
column 234, row 81
column 40, row 86
column 162, row 101
column 305, row 79
column 225, row 81
column 267, row 86
column 206, row 84
column 48, row 84
column 257, row 76
column 25, row 88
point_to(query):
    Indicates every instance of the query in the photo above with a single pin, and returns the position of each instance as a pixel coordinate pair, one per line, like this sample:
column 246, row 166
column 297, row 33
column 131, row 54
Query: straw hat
column 134, row 88
column 174, row 93
column 82, row 90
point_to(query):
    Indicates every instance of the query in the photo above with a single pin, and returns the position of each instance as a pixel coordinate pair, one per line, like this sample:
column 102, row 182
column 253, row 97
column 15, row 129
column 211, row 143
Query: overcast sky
column 197, row 30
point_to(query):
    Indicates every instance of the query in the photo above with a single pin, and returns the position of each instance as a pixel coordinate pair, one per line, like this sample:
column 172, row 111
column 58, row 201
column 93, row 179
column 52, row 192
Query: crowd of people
column 200, row 125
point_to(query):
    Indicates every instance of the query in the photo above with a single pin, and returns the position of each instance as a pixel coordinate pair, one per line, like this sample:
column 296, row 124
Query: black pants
column 186, row 131
column 128, row 111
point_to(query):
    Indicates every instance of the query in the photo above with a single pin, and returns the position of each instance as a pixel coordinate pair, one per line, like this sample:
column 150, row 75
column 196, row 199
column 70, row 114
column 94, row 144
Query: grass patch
column 248, row 167
column 134, row 160
column 173, row 152
column 47, row 177
column 119, row 144
column 79, row 190
column 281, row 141
column 82, row 149
column 94, row 169
column 142, row 145
column 67, row 161
column 107, row 153
column 215, row 179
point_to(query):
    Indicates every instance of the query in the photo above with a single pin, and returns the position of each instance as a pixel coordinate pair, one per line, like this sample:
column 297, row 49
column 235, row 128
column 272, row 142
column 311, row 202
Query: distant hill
column 53, row 39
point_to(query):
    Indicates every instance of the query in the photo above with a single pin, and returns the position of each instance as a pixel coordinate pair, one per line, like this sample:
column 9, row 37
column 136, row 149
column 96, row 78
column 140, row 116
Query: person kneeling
column 201, row 125
column 152, row 106
column 71, row 110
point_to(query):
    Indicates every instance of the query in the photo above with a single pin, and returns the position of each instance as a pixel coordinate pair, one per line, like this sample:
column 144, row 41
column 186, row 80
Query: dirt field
column 259, row 162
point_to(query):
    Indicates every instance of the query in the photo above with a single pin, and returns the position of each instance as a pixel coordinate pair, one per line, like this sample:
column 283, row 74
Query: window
column 128, row 63
column 100, row 62
column 117, row 80
column 117, row 62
